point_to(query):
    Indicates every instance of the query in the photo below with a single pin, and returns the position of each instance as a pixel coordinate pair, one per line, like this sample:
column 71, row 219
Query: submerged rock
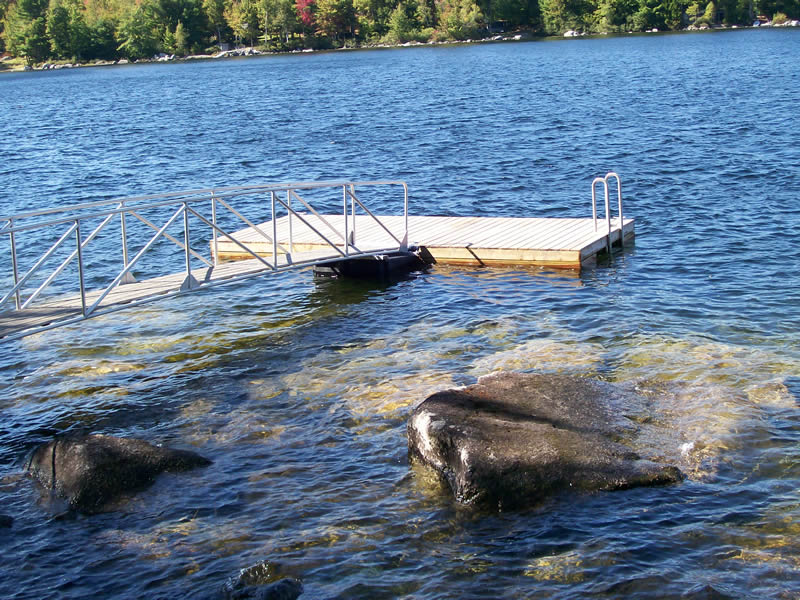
column 6, row 521
column 261, row 582
column 511, row 439
column 285, row 589
column 90, row 471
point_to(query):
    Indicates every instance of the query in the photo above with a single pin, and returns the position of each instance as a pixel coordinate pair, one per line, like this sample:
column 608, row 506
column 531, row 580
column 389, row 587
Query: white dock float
column 554, row 242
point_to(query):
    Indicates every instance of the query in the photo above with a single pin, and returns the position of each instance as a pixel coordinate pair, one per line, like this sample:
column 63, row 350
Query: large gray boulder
column 91, row 471
column 511, row 439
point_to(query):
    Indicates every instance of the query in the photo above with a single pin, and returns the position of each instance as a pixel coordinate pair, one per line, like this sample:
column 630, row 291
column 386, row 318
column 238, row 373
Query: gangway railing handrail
column 180, row 204
column 198, row 195
column 604, row 181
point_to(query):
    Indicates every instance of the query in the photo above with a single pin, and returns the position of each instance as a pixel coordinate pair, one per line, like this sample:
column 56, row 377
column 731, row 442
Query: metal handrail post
column 214, row 229
column 608, row 218
column 289, row 214
column 124, row 237
column 274, row 233
column 344, row 212
column 188, row 257
column 404, row 245
column 14, row 265
column 619, row 207
column 594, row 198
column 353, row 209
column 80, row 267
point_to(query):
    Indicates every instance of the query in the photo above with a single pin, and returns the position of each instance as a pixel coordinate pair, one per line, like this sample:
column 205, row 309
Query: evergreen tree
column 25, row 30
column 137, row 32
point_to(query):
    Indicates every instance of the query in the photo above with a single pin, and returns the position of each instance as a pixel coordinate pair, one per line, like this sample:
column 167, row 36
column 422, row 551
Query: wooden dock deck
column 554, row 242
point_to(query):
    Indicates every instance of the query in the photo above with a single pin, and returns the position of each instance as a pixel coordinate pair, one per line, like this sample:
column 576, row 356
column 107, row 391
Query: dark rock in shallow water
column 91, row 471
column 246, row 588
column 6, row 521
column 706, row 592
column 511, row 439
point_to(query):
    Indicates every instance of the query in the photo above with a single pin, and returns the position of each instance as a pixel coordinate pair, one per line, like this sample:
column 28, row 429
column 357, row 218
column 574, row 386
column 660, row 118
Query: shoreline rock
column 512, row 439
column 91, row 471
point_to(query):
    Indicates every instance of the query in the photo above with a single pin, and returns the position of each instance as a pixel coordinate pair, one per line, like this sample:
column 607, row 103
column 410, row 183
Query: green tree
column 25, row 30
column 215, row 13
column 138, row 32
column 279, row 19
column 514, row 12
column 404, row 25
column 372, row 16
column 68, row 33
column 559, row 16
column 336, row 19
column 191, row 14
column 460, row 19
column 242, row 18
column 181, row 40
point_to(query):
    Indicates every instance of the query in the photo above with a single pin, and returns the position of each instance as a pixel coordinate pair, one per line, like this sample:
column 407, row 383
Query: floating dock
column 499, row 241
column 59, row 274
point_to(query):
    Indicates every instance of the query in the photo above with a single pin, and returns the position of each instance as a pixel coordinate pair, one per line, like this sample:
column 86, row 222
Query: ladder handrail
column 604, row 181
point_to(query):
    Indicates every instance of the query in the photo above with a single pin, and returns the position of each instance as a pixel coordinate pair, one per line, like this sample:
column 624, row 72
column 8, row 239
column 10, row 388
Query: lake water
column 299, row 389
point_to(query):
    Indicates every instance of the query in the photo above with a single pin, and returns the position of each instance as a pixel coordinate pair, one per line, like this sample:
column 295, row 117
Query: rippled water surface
column 299, row 389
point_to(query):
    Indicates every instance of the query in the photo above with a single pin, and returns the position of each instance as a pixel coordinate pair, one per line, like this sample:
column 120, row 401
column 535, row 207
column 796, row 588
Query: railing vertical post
column 353, row 209
column 129, row 278
column 274, row 233
column 215, row 234
column 81, row 281
column 14, row 263
column 124, row 238
column 344, row 212
column 188, row 256
column 405, row 215
column 608, row 218
column 289, row 212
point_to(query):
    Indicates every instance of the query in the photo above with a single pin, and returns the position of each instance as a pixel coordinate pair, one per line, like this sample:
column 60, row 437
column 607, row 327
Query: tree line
column 86, row 30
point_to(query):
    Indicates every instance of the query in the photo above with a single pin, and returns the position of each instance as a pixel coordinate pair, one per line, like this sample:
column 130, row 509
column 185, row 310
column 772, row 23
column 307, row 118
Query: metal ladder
column 604, row 181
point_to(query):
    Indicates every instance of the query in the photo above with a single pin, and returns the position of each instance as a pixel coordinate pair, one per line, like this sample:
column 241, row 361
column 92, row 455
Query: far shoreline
column 17, row 65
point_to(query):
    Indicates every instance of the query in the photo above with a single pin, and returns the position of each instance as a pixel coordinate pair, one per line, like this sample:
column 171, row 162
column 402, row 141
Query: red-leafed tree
column 305, row 12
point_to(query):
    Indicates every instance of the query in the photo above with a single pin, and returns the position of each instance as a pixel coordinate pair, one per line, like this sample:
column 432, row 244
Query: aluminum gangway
column 64, row 265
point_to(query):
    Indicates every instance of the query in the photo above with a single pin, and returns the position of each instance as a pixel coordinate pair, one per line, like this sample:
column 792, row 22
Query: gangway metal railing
column 41, row 247
column 604, row 181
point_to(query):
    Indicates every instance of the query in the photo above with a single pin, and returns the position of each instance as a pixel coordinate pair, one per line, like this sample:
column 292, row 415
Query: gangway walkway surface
column 69, row 264
column 73, row 263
